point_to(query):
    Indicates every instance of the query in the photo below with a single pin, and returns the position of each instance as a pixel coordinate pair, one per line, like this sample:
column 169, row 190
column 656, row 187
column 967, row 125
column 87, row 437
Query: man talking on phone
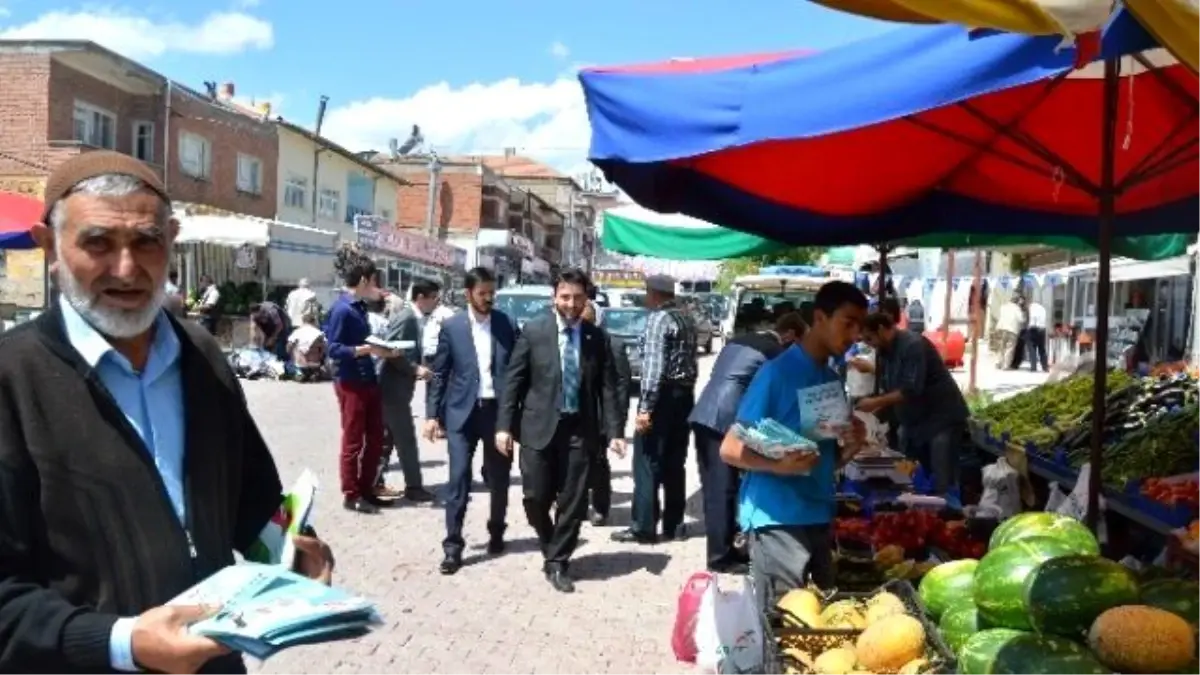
column 785, row 506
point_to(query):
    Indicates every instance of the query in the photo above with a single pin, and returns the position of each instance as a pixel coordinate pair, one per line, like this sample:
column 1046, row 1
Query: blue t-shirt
column 767, row 499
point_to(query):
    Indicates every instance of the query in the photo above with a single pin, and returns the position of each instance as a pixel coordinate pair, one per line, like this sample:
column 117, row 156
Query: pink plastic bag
column 683, row 637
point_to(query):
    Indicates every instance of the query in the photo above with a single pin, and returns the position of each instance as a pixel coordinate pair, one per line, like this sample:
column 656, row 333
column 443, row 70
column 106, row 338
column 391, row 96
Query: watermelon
column 959, row 623
column 1041, row 524
column 1181, row 598
column 1065, row 595
column 1003, row 650
column 945, row 584
column 1000, row 579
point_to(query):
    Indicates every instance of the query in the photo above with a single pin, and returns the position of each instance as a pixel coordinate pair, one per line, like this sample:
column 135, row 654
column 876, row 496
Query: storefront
column 404, row 256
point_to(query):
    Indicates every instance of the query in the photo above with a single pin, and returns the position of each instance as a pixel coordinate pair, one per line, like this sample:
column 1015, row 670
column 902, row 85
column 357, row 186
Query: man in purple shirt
column 355, row 383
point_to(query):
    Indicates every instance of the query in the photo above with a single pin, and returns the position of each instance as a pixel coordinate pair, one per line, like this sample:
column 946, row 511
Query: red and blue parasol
column 18, row 213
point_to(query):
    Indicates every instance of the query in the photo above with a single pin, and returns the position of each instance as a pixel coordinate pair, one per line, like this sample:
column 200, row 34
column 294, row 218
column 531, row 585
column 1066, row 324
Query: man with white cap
column 669, row 371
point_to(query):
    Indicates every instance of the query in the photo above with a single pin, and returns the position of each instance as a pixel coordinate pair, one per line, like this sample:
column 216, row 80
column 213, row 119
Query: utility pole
column 435, row 173
column 572, row 232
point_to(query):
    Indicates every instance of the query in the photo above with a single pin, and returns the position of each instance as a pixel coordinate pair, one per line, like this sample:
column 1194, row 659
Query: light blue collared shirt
column 152, row 402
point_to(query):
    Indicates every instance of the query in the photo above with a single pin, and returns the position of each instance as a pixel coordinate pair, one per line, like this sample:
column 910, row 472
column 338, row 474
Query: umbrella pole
column 949, row 296
column 977, row 289
column 1107, row 211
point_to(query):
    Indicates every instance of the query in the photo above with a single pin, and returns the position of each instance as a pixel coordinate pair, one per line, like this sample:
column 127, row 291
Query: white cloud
column 141, row 37
column 543, row 120
column 558, row 50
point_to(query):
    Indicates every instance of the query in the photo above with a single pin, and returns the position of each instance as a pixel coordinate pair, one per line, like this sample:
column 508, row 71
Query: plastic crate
column 816, row 640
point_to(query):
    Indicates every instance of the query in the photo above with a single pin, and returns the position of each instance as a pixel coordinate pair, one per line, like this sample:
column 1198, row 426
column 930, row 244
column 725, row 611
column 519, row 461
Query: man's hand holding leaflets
column 793, row 453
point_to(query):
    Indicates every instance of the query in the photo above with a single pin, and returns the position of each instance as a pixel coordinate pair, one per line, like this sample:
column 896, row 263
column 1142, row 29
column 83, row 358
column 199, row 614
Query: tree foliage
column 737, row 267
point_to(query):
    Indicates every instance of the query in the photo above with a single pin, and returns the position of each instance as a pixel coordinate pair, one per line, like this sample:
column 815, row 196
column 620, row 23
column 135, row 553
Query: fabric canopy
column 1173, row 22
column 634, row 230
column 924, row 129
column 231, row 231
column 18, row 213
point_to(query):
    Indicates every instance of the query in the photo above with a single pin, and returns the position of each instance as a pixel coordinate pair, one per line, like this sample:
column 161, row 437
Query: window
column 249, row 174
column 143, row 141
column 95, row 126
column 195, row 155
column 295, row 192
column 329, row 203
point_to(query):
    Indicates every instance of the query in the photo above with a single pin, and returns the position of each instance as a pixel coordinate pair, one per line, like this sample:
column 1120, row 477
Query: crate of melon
column 885, row 630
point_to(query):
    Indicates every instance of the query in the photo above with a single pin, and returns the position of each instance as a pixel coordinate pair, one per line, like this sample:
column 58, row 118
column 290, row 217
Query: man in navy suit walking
column 468, row 374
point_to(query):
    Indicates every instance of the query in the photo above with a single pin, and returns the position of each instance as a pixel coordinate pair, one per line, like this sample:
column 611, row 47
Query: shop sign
column 247, row 257
column 522, row 244
column 375, row 233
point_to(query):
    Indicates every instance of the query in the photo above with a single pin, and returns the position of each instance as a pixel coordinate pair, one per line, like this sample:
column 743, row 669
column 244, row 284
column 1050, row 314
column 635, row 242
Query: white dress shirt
column 481, row 333
column 1037, row 315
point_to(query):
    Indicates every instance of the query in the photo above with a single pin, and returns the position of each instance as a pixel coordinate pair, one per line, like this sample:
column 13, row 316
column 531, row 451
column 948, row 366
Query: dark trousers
column 938, row 453
column 557, row 476
column 1035, row 349
column 479, row 428
column 720, row 483
column 660, row 461
column 398, row 415
column 787, row 557
column 362, row 436
column 600, row 480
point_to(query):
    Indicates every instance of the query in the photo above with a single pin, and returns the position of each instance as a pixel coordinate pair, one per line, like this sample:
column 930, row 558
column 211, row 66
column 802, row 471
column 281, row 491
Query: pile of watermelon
column 1043, row 600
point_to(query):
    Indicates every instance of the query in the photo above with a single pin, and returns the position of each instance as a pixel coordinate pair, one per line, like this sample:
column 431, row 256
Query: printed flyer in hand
column 266, row 609
column 274, row 545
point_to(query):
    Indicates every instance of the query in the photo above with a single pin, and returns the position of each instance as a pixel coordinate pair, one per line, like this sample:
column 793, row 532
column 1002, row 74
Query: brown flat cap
column 96, row 163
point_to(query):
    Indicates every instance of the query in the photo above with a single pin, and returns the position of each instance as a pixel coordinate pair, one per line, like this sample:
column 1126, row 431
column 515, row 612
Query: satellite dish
column 414, row 139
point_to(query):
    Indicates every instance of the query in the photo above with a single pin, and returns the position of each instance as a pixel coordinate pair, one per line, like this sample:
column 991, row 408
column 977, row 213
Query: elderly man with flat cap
column 113, row 499
column 662, row 436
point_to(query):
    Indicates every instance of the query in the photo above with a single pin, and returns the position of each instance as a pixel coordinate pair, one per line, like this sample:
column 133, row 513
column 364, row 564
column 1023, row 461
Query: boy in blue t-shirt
column 786, row 506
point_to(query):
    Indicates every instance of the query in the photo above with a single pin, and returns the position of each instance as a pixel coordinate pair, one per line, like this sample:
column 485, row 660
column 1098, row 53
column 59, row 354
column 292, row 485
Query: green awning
column 634, row 230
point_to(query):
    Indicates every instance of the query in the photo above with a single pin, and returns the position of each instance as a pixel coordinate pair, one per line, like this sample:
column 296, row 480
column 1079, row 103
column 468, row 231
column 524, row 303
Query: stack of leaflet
column 772, row 439
column 266, row 609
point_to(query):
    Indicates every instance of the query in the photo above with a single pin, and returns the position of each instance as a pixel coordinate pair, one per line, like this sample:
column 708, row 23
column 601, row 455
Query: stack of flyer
column 771, row 439
column 265, row 609
column 264, row 606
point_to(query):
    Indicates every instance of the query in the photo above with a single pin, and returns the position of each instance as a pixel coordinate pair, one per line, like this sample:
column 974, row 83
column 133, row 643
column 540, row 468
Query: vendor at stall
column 929, row 407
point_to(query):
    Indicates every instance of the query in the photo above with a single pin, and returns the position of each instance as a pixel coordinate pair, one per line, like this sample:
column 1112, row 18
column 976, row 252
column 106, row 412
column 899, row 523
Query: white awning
column 232, row 231
column 1126, row 269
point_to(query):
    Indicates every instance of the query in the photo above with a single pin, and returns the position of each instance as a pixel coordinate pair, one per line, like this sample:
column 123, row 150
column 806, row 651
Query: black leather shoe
column 450, row 564
column 419, row 495
column 674, row 534
column 560, row 580
column 379, row 503
column 633, row 537
column 495, row 546
column 359, row 505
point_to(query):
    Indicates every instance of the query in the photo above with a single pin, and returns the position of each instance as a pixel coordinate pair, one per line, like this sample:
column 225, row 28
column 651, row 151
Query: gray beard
column 115, row 323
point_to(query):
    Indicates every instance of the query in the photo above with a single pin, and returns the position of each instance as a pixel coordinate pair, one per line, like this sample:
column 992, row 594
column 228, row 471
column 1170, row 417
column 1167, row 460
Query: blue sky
column 477, row 75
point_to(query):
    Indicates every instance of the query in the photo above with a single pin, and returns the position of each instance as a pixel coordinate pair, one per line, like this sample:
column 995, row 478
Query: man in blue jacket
column 355, row 382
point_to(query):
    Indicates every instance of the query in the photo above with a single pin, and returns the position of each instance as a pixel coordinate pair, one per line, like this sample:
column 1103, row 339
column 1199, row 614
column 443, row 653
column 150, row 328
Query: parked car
column 522, row 303
column 626, row 325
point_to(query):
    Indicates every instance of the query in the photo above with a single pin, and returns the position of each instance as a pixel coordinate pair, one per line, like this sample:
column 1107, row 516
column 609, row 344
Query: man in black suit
column 398, row 379
column 711, row 418
column 600, row 479
column 468, row 376
column 559, row 395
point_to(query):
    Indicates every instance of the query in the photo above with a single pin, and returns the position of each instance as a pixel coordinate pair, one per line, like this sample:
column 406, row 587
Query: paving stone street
column 497, row 615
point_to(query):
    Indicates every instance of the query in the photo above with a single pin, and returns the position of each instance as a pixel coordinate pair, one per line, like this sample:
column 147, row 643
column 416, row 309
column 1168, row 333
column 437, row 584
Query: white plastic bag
column 728, row 628
column 1001, row 489
column 1076, row 503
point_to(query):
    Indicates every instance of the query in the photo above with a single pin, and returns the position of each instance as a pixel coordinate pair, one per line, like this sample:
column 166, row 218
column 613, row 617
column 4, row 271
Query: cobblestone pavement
column 497, row 615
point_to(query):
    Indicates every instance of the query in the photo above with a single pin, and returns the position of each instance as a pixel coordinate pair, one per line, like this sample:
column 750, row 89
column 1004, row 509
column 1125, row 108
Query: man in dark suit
column 559, row 395
column 711, row 418
column 600, row 480
column 468, row 375
column 398, row 379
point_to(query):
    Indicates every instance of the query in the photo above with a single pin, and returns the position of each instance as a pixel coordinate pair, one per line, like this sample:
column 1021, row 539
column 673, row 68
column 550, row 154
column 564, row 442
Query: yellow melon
column 890, row 643
column 801, row 607
column 1141, row 639
column 838, row 661
column 844, row 614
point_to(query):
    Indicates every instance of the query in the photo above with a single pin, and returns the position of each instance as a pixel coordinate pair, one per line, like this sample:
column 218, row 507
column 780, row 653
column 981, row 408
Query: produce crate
column 817, row 640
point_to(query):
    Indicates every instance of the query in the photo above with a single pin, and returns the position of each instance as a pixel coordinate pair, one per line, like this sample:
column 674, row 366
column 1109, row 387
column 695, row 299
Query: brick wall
column 24, row 103
column 460, row 198
column 67, row 86
column 228, row 134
